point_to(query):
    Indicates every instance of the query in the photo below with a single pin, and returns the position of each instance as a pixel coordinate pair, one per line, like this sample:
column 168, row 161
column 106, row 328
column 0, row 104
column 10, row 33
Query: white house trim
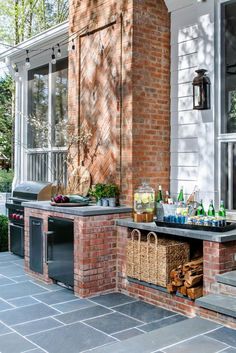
column 17, row 55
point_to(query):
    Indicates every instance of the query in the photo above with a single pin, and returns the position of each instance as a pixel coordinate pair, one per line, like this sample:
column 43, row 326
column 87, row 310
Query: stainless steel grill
column 27, row 191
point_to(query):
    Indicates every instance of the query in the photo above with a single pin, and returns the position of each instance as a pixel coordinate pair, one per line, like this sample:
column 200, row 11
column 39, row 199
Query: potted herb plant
column 111, row 192
column 97, row 191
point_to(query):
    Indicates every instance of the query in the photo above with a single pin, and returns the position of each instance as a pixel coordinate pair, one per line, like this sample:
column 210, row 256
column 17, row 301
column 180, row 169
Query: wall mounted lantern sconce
column 201, row 91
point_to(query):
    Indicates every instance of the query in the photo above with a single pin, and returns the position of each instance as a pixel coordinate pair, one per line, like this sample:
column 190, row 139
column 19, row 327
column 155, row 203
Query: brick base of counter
column 217, row 258
column 95, row 251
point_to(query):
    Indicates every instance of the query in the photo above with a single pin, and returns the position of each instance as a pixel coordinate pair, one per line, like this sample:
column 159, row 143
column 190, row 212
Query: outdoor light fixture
column 53, row 61
column 58, row 51
column 16, row 72
column 201, row 90
column 73, row 45
column 27, row 60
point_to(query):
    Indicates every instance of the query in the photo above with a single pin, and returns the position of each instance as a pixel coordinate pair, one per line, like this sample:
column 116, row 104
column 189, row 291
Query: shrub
column 3, row 233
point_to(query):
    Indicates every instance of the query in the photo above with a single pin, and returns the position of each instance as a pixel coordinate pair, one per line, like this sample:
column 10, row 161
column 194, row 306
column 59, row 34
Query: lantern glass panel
column 197, row 96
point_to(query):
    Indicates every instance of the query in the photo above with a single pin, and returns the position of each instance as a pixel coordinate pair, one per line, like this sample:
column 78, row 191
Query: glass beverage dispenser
column 144, row 203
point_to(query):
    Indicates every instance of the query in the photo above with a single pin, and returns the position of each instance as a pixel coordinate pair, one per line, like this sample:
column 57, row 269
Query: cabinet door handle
column 36, row 223
column 47, row 234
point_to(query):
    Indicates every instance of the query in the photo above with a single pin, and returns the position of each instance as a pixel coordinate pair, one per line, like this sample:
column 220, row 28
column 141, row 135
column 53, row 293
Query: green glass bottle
column 181, row 195
column 159, row 194
column 211, row 210
column 200, row 210
column 222, row 211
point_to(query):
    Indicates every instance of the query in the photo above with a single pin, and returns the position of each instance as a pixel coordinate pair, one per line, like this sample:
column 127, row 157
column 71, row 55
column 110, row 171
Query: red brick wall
column 140, row 101
column 95, row 251
column 218, row 258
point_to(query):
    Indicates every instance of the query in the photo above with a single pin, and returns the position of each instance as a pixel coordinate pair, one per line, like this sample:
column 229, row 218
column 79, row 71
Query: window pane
column 228, row 73
column 60, row 103
column 38, row 108
column 59, row 167
column 228, row 174
column 37, row 164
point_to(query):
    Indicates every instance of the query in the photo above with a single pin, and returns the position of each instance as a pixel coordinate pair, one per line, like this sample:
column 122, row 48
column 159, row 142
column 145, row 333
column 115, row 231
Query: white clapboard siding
column 183, row 144
column 186, row 173
column 192, row 132
column 185, row 117
column 185, row 131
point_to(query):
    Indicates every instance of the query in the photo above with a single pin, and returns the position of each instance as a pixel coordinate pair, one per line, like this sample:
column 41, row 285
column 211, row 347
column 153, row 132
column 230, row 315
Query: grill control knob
column 13, row 216
column 21, row 217
column 17, row 217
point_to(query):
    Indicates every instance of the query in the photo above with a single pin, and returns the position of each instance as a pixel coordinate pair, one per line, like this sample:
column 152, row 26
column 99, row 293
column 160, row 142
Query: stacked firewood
column 187, row 279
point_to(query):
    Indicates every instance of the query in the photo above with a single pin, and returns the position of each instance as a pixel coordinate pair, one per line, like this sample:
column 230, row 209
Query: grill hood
column 33, row 191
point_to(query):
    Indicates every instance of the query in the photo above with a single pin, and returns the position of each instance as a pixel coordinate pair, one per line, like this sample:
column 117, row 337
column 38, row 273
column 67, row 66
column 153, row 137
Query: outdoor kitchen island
column 218, row 250
column 94, row 246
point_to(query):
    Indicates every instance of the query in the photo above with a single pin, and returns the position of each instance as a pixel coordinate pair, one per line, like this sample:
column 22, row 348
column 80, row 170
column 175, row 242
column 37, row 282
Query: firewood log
column 171, row 288
column 182, row 290
column 192, row 264
column 195, row 292
column 191, row 281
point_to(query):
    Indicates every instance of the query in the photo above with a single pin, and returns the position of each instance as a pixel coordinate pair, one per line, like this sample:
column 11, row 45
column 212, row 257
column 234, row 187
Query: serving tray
column 229, row 226
column 70, row 204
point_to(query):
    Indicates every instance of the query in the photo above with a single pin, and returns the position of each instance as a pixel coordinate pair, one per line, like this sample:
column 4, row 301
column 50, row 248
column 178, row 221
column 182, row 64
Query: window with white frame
column 227, row 128
column 47, row 120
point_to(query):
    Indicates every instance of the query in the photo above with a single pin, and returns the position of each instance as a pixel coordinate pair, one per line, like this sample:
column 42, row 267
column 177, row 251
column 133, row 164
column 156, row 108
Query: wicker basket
column 152, row 260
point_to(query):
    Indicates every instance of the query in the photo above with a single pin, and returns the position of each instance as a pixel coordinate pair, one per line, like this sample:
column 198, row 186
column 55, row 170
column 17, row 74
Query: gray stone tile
column 14, row 343
column 162, row 323
column 49, row 287
column 22, row 278
column 73, row 305
column 60, row 296
column 8, row 257
column 11, row 270
column 26, row 313
column 225, row 335
column 227, row 278
column 112, row 299
column 37, row 326
column 20, row 290
column 5, row 280
column 124, row 335
column 23, row 301
column 37, row 350
column 229, row 350
column 83, row 314
column 70, row 339
column 4, row 329
column 4, row 305
column 220, row 303
column 144, row 311
column 155, row 340
column 196, row 345
column 113, row 323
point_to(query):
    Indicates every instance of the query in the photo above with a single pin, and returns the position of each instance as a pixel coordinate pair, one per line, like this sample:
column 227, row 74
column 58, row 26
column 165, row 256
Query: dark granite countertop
column 185, row 233
column 90, row 210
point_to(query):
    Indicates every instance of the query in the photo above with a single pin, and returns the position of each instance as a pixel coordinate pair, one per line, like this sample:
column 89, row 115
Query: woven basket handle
column 136, row 232
column 151, row 234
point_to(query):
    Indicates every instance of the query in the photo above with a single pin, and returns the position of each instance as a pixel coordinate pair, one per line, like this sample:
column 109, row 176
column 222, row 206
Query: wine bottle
column 159, row 194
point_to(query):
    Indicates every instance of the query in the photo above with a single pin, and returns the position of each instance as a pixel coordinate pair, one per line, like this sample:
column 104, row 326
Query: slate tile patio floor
column 36, row 318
